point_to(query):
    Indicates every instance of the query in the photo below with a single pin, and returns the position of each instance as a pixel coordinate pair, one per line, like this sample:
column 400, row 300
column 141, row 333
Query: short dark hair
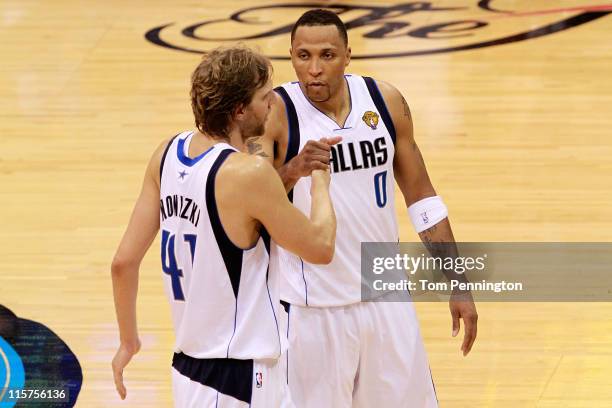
column 321, row 17
column 225, row 79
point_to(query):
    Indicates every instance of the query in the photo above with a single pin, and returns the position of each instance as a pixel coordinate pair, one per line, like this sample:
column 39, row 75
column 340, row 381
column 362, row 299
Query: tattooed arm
column 413, row 180
column 409, row 166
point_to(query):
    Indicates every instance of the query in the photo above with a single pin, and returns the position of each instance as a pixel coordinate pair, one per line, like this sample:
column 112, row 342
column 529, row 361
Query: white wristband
column 427, row 212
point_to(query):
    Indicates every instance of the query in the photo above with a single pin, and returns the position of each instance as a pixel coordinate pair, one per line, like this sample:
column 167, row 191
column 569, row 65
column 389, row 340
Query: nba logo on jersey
column 258, row 380
column 425, row 217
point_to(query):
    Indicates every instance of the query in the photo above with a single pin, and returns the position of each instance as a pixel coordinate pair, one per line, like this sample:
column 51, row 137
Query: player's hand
column 315, row 155
column 122, row 358
column 462, row 306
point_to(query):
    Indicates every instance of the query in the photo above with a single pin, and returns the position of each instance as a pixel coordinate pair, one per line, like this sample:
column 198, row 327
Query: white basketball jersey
column 224, row 300
column 362, row 192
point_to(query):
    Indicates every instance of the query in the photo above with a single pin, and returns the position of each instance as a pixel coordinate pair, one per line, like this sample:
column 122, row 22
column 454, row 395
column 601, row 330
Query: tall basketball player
column 214, row 206
column 344, row 352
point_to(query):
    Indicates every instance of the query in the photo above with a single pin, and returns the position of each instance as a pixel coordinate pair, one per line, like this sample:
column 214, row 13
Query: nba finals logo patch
column 371, row 119
column 258, row 380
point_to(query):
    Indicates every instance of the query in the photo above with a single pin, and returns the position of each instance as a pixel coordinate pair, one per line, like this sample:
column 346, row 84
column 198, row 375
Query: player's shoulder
column 389, row 92
column 155, row 162
column 278, row 104
column 276, row 123
column 246, row 170
column 395, row 102
column 285, row 86
column 283, row 93
column 164, row 145
column 278, row 93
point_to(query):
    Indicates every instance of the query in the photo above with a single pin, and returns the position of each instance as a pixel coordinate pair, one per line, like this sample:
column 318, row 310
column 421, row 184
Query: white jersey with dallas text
column 362, row 191
column 224, row 300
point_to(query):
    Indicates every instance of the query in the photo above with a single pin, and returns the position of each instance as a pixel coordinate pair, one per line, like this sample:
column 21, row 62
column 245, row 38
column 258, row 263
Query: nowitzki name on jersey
column 181, row 207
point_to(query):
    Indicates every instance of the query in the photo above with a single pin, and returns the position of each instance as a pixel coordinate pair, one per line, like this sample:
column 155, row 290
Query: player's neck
column 235, row 138
column 202, row 142
column 338, row 106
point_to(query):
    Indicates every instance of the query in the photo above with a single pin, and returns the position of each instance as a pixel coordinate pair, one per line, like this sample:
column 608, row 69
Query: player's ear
column 348, row 56
column 239, row 113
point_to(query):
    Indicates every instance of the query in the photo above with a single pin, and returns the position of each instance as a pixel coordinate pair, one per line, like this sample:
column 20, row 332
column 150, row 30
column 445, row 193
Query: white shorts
column 362, row 355
column 227, row 383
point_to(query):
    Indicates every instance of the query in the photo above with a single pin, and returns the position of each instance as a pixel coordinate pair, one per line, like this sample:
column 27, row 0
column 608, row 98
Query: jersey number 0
column 380, row 188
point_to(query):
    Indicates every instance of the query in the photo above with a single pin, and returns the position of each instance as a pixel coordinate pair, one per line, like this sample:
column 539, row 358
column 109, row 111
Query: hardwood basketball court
column 511, row 104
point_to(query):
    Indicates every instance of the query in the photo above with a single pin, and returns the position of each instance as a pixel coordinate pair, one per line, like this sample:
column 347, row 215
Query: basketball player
column 214, row 206
column 344, row 352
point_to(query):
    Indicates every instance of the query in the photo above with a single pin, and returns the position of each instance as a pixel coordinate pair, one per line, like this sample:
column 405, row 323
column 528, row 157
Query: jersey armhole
column 163, row 159
column 293, row 142
column 231, row 254
column 380, row 104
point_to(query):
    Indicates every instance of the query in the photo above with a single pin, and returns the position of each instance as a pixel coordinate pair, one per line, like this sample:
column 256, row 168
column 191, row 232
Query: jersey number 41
column 169, row 264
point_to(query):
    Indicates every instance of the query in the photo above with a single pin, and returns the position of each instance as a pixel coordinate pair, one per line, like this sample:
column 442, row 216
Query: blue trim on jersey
column 231, row 254
column 380, row 104
column 227, row 376
column 288, row 322
column 187, row 161
column 340, row 127
column 266, row 239
column 305, row 284
column 289, row 130
column 293, row 138
column 265, row 236
column 229, row 343
column 274, row 314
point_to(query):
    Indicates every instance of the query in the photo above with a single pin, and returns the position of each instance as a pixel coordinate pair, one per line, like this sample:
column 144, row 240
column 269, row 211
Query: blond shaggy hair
column 225, row 79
